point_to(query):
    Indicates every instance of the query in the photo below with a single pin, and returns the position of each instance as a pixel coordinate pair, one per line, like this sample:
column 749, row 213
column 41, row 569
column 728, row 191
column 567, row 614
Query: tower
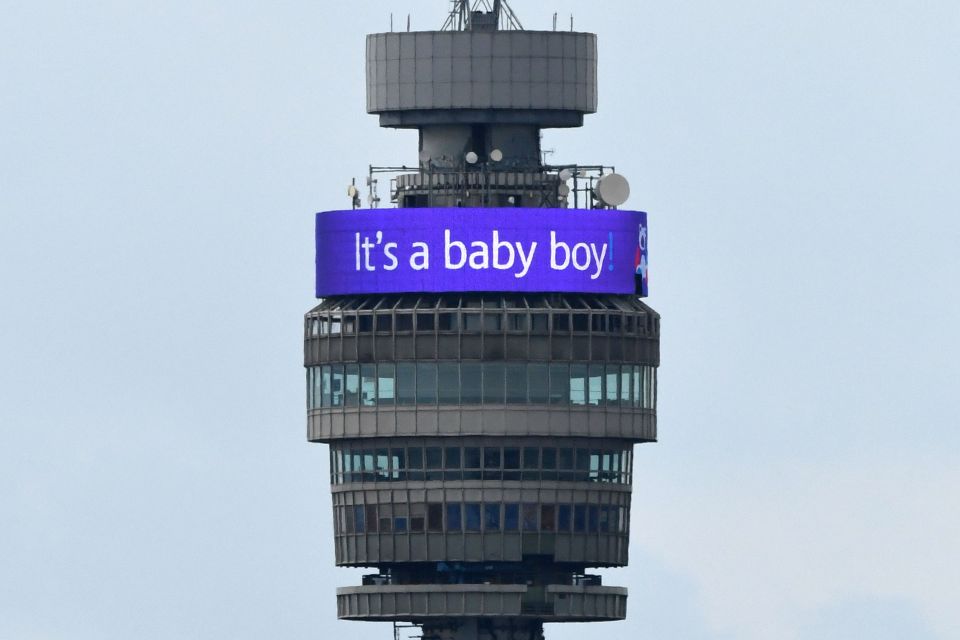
column 481, row 363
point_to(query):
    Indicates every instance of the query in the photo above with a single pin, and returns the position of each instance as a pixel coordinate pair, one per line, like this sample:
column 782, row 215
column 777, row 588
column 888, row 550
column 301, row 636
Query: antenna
column 460, row 17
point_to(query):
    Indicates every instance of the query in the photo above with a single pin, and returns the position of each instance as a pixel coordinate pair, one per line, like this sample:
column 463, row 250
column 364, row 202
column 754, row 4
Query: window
column 426, row 383
column 453, row 518
column 538, row 383
column 336, row 386
column 370, row 515
column 581, row 322
column 559, row 384
column 449, row 381
column 593, row 519
column 406, row 383
column 493, row 376
column 435, row 516
column 516, row 377
column 386, row 381
column 548, row 517
column 511, row 517
column 539, row 323
column 492, row 322
column 578, row 384
column 358, row 519
column 516, row 322
column 425, row 322
column 612, row 384
column 400, row 524
column 384, row 322
column 563, row 517
column 595, row 393
column 404, row 322
column 447, row 322
column 561, row 323
column 434, row 457
column 473, row 516
column 471, row 463
column 368, row 385
column 579, row 518
column 491, row 517
column 530, row 517
column 471, row 322
column 471, row 380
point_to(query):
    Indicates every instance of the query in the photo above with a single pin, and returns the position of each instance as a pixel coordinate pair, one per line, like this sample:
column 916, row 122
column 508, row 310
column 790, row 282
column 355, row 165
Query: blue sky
column 159, row 166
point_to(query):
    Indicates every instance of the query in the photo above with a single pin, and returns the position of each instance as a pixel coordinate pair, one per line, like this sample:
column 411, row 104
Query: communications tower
column 481, row 363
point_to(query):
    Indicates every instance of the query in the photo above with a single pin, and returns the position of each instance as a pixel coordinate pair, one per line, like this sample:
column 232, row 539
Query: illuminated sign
column 476, row 249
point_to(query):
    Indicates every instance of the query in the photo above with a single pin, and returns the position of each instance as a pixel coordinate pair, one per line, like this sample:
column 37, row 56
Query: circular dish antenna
column 565, row 174
column 496, row 155
column 424, row 156
column 612, row 190
column 471, row 157
column 352, row 191
column 563, row 190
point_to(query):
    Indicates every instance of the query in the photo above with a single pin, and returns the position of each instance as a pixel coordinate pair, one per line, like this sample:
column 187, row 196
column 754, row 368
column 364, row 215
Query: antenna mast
column 461, row 15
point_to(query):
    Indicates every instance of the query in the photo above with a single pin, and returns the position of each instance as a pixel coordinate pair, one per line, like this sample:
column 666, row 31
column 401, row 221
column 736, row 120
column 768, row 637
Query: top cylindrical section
column 543, row 78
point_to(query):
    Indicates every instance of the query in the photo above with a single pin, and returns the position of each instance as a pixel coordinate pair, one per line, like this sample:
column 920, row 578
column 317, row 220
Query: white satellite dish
column 471, row 157
column 496, row 155
column 563, row 190
column 424, row 156
column 352, row 191
column 612, row 190
column 565, row 174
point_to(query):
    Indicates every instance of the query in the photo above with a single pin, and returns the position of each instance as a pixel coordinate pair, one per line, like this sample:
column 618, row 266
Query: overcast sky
column 160, row 163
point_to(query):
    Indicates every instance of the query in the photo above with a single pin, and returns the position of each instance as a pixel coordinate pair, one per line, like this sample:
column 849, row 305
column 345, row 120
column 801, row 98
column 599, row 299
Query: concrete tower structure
column 481, row 436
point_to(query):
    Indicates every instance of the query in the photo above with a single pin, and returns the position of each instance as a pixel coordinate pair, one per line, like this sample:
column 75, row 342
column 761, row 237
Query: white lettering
column 453, row 244
column 525, row 260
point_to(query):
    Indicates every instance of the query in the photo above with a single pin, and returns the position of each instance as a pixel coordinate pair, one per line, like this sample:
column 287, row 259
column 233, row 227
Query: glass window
column 349, row 325
column 566, row 458
column 414, row 458
column 563, row 517
column 453, row 518
column 491, row 517
column 471, row 378
column 583, row 465
column 404, row 322
column 531, row 458
column 435, row 516
column 425, row 322
column 530, row 517
column 538, row 382
column 493, row 391
column 516, row 375
column 386, row 525
column 594, row 465
column 578, row 384
column 581, row 322
column 370, row 515
column 548, row 517
column 626, row 386
column 471, row 322
column 492, row 322
column 579, row 518
column 598, row 323
column 386, row 384
column 471, row 457
column 350, row 524
column 358, row 519
column 604, row 519
column 384, row 322
column 559, row 384
column 434, row 458
column 511, row 457
column 612, row 385
column 327, row 385
column 561, row 323
column 365, row 323
column 383, row 465
column 614, row 322
column 516, row 321
column 449, row 380
column 416, row 524
column 398, row 464
column 593, row 519
column 426, row 383
column 368, row 385
column 491, row 457
column 451, row 458
column 636, row 386
column 511, row 517
column 539, row 323
column 596, row 384
column 336, row 386
column 549, row 458
column 472, row 516
column 406, row 383
column 447, row 322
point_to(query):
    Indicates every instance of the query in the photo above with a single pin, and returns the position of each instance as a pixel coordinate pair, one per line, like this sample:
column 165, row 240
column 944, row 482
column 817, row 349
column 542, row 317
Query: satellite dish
column 565, row 175
column 496, row 155
column 563, row 190
column 471, row 157
column 424, row 156
column 352, row 191
column 612, row 190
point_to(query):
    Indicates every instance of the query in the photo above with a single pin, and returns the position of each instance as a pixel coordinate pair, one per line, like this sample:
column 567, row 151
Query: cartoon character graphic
column 640, row 262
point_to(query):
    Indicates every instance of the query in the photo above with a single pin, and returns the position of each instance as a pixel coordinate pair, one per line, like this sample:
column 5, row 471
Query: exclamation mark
column 611, row 250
